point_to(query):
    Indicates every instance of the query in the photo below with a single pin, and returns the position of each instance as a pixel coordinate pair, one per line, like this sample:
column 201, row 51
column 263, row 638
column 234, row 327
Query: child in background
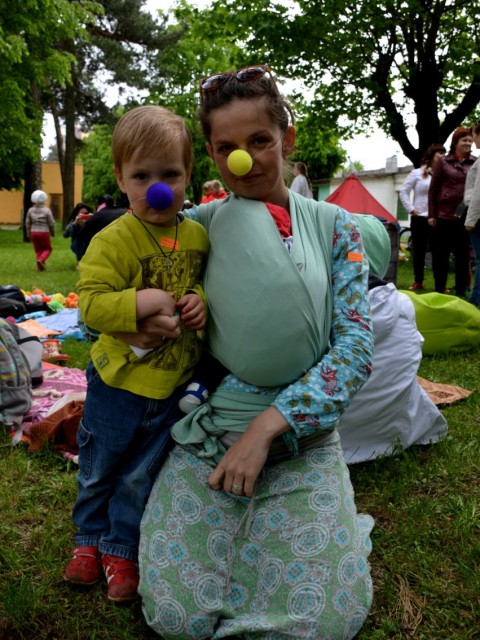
column 40, row 225
column 147, row 264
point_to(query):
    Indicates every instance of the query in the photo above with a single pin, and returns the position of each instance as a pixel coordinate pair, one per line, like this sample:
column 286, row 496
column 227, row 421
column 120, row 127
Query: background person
column 218, row 191
column 213, row 191
column 253, row 514
column 79, row 215
column 207, row 193
column 444, row 196
column 301, row 182
column 104, row 202
column 102, row 217
column 40, row 228
column 472, row 221
column 417, row 185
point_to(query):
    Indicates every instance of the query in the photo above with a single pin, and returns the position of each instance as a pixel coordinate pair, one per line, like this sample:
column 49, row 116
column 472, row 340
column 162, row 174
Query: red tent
column 355, row 198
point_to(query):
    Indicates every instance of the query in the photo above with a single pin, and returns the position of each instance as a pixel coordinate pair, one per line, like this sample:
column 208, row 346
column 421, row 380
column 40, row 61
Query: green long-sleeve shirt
column 122, row 259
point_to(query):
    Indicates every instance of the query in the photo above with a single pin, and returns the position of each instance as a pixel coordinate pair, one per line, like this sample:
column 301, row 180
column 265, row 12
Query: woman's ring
column 237, row 487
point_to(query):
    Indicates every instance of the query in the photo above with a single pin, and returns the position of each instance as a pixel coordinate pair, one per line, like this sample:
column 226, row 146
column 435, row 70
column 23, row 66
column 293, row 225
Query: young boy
column 146, row 264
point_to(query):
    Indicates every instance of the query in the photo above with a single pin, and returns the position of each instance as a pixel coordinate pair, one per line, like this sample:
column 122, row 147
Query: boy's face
column 141, row 171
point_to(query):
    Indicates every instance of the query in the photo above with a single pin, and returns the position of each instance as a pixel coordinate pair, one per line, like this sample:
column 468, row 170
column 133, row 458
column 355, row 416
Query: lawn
column 426, row 549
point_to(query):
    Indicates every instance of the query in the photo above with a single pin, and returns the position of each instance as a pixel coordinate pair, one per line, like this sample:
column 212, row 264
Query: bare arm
column 154, row 301
column 154, row 327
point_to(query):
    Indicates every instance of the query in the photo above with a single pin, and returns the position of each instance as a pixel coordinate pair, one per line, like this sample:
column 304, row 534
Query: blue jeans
column 123, row 441
column 475, row 242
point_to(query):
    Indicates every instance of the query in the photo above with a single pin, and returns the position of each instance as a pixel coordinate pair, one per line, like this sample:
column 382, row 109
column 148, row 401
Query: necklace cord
column 157, row 244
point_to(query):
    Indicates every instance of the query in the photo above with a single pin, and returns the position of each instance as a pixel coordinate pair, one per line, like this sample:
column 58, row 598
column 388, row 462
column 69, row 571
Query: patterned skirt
column 289, row 563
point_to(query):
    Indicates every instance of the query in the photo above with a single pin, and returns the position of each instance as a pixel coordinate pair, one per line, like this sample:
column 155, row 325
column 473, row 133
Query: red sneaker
column 122, row 578
column 416, row 286
column 84, row 568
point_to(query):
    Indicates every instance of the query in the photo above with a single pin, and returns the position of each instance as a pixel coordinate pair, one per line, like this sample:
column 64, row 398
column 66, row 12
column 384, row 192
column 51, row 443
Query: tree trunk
column 58, row 135
column 68, row 174
column 32, row 171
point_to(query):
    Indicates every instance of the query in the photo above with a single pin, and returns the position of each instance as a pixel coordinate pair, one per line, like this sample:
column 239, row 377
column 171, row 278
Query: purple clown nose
column 160, row 196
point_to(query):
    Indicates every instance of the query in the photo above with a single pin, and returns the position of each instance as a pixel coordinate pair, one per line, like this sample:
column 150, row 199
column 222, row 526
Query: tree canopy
column 30, row 60
column 118, row 50
column 410, row 67
column 381, row 62
column 211, row 41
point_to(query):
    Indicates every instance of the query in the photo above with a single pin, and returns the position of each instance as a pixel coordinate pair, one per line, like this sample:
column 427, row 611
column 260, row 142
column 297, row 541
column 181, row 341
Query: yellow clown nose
column 239, row 162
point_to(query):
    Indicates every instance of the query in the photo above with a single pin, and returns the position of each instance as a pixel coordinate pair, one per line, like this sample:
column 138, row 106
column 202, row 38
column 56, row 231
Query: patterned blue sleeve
column 317, row 400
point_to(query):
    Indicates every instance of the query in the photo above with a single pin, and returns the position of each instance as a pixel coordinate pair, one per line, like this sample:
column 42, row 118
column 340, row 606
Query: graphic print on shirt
column 186, row 271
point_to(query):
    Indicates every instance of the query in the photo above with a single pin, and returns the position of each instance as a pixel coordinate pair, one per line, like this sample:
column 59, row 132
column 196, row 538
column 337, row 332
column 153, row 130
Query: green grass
column 426, row 542
column 18, row 264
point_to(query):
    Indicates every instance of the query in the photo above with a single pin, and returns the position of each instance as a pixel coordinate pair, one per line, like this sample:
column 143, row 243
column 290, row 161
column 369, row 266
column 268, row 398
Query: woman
column 251, row 528
column 301, row 182
column 444, row 196
column 40, row 227
column 418, row 183
column 81, row 212
column 472, row 221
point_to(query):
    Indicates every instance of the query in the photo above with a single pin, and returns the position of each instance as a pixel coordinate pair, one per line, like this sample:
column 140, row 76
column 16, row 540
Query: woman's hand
column 241, row 465
column 432, row 222
column 192, row 311
column 469, row 228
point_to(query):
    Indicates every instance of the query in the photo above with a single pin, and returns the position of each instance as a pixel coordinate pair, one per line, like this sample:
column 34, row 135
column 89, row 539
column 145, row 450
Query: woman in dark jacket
column 77, row 219
column 445, row 194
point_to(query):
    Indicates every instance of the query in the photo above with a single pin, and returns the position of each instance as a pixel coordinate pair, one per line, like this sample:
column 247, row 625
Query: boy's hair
column 150, row 127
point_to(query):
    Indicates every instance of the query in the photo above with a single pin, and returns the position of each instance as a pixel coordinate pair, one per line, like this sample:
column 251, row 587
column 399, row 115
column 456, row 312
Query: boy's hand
column 193, row 312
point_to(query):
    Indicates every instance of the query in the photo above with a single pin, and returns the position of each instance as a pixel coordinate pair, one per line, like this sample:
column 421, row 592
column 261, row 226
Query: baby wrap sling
column 270, row 311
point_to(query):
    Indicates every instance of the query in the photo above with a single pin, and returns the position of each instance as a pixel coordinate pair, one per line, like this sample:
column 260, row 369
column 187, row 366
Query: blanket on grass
column 56, row 410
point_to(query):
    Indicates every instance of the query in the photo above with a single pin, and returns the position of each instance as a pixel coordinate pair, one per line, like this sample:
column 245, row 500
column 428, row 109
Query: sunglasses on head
column 248, row 74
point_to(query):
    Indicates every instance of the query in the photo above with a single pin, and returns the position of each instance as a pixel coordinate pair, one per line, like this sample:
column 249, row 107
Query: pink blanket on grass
column 58, row 383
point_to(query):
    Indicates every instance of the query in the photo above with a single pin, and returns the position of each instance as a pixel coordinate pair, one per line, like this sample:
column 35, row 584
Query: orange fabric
column 59, row 428
column 34, row 328
column 212, row 196
column 443, row 393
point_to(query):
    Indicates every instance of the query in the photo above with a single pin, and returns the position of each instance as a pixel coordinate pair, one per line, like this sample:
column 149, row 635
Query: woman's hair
column 460, row 132
column 277, row 107
column 302, row 168
column 107, row 200
column 429, row 155
column 476, row 128
column 78, row 207
column 216, row 186
column 148, row 128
